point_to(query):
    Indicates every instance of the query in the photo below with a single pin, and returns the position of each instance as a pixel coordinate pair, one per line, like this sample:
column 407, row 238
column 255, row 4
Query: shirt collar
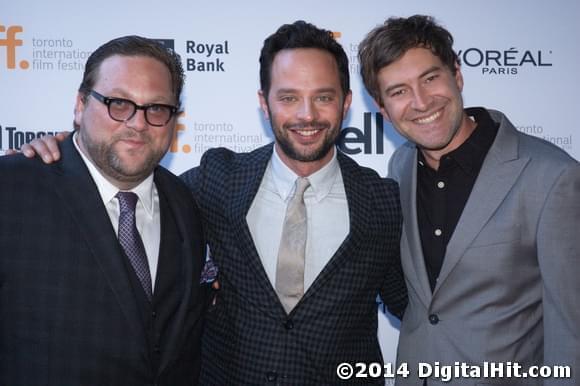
column 321, row 181
column 108, row 191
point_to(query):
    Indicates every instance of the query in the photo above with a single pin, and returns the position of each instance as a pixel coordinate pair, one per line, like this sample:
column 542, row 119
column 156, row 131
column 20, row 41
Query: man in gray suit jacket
column 490, row 246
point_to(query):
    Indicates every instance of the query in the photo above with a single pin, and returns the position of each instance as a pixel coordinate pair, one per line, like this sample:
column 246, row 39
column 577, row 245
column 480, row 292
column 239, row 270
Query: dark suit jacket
column 249, row 339
column 69, row 315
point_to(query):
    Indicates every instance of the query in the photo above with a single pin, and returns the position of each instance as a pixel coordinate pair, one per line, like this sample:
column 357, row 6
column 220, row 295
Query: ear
column 79, row 109
column 458, row 77
column 382, row 109
column 384, row 113
column 263, row 104
column 346, row 103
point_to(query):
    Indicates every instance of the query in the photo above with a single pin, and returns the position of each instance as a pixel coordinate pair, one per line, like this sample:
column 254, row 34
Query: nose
column 307, row 110
column 421, row 99
column 137, row 122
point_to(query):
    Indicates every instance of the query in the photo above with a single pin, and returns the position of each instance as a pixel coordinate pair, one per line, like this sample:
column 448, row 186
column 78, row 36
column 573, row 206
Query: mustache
column 315, row 125
column 132, row 135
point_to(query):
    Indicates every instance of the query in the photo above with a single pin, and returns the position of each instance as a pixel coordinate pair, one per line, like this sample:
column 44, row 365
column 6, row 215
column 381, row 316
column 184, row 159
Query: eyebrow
column 427, row 71
column 320, row 90
column 158, row 99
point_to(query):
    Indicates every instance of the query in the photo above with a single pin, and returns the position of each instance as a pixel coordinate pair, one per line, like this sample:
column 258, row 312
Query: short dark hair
column 301, row 34
column 134, row 46
column 391, row 40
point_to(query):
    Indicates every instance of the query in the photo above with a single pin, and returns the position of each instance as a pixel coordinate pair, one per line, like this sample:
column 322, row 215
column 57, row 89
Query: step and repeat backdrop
column 518, row 56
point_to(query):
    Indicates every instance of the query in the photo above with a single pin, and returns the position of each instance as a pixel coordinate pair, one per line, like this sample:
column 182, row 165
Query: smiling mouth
column 307, row 133
column 133, row 141
column 428, row 119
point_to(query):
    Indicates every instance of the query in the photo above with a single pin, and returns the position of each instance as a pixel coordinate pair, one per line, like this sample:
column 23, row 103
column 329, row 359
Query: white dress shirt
column 147, row 212
column 326, row 209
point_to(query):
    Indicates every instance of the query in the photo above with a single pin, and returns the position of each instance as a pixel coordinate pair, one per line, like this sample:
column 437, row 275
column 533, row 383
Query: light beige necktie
column 290, row 268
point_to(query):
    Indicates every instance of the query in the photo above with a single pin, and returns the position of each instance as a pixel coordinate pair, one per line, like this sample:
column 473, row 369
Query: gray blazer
column 509, row 287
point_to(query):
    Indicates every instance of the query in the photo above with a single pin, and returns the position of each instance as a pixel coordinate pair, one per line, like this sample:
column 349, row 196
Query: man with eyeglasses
column 101, row 252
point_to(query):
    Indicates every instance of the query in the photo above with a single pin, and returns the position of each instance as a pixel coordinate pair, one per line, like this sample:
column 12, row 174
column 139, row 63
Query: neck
column 433, row 157
column 304, row 168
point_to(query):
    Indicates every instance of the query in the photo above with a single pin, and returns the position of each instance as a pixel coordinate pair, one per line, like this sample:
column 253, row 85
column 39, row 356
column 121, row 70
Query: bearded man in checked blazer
column 352, row 240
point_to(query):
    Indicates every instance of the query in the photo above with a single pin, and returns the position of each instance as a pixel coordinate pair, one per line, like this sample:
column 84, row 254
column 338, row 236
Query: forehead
column 300, row 67
column 412, row 64
column 134, row 72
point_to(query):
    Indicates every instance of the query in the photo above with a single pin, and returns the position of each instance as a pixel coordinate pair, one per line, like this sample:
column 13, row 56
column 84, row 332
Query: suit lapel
column 498, row 174
column 79, row 192
column 246, row 178
column 408, row 189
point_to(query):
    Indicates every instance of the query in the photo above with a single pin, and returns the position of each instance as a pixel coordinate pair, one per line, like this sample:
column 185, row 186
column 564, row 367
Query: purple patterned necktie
column 131, row 241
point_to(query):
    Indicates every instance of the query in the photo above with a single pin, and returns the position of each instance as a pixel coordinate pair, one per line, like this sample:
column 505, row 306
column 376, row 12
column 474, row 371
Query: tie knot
column 127, row 201
column 302, row 184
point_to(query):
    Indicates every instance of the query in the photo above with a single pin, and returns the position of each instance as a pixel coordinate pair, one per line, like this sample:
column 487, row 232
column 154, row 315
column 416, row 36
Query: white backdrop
column 519, row 56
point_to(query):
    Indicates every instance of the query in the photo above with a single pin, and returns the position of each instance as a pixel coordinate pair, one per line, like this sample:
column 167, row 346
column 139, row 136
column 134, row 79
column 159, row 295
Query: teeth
column 428, row 119
column 307, row 133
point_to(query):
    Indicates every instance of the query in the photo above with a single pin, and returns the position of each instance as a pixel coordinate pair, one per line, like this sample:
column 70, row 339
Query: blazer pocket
column 498, row 231
column 491, row 243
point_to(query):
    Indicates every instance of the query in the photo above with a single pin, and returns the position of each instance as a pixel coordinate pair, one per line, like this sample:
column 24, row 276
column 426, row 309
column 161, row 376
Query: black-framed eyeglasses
column 121, row 110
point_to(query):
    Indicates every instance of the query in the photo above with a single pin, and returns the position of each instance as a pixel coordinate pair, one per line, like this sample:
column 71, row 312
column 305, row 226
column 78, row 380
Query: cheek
column 87, row 117
column 164, row 139
column 282, row 112
column 98, row 124
column 330, row 112
column 393, row 111
column 280, row 116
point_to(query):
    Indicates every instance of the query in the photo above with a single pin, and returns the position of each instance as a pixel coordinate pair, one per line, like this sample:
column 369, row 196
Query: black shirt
column 442, row 194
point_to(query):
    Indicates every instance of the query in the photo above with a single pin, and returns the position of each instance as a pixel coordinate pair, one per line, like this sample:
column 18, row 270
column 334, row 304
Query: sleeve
column 192, row 178
column 394, row 291
column 393, row 165
column 558, row 248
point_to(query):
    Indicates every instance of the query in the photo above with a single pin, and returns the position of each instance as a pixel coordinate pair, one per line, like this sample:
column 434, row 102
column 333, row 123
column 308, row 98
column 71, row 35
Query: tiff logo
column 11, row 42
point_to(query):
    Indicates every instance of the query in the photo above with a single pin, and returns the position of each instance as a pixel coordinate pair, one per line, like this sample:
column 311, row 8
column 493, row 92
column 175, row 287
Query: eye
column 431, row 78
column 325, row 98
column 119, row 103
column 397, row 92
column 287, row 98
column 157, row 108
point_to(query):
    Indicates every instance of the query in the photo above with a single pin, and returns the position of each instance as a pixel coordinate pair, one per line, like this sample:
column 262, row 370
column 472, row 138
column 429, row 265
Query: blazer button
column 289, row 324
column 271, row 376
column 433, row 319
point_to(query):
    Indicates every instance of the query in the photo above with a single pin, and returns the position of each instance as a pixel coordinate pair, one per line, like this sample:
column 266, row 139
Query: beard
column 111, row 164
column 293, row 151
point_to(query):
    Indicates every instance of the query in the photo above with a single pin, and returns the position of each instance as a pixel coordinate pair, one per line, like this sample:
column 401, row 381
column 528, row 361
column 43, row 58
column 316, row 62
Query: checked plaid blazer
column 69, row 312
column 248, row 338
